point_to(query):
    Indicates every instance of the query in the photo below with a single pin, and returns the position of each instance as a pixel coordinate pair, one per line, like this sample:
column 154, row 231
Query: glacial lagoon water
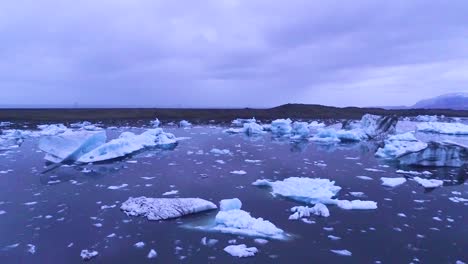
column 60, row 212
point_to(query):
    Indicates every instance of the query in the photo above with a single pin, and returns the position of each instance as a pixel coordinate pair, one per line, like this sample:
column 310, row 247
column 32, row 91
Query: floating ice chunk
column 330, row 135
column 239, row 122
column 155, row 123
column 315, row 124
column 31, row 248
column 11, row 139
column 2, row 212
column 443, row 128
column 117, row 187
column 208, row 242
column 342, row 252
column 427, row 118
column 239, row 172
column 325, row 135
column 356, row 205
column 440, row 154
column 248, row 128
column 392, row 182
column 230, row 204
column 88, row 254
column 165, row 208
column 70, row 145
column 398, row 145
column 185, row 123
column 241, row 251
column 220, row 151
column 431, row 183
column 304, row 211
column 306, row 190
column 366, row 178
column 128, row 143
column 237, row 221
column 413, row 172
column 152, row 254
column 252, row 161
column 52, row 130
column 458, row 199
column 300, row 129
column 281, row 127
column 139, row 244
column 173, row 192
column 260, row 241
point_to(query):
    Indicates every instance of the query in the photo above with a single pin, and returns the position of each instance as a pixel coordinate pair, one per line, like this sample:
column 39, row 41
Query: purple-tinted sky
column 231, row 53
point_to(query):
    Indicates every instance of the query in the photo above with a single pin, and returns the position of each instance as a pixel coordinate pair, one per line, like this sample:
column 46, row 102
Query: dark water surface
column 69, row 202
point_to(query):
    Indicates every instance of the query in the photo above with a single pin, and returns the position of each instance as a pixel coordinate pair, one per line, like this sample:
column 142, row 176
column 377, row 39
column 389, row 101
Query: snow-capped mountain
column 457, row 101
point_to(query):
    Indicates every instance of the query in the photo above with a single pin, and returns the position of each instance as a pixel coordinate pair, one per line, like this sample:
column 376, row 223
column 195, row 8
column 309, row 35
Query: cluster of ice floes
column 240, row 122
column 248, row 128
column 305, row 211
column 443, row 128
column 231, row 219
column 11, row 139
column 369, row 127
column 90, row 146
column 313, row 191
column 165, row 208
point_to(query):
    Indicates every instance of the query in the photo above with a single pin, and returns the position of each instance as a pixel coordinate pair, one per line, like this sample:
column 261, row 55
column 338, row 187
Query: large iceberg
column 300, row 130
column 281, row 127
column 398, row 145
column 70, row 145
column 249, row 128
column 129, row 143
column 439, row 154
column 231, row 219
column 443, row 128
column 165, row 208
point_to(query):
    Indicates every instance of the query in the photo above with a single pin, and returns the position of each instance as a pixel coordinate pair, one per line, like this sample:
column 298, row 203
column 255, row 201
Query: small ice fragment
column 173, row 192
column 208, row 242
column 230, row 204
column 392, row 182
column 260, row 241
column 117, row 187
column 87, row 254
column 239, row 172
column 31, row 248
column 342, row 252
column 152, row 254
column 431, row 183
column 332, row 237
column 139, row 244
column 241, row 251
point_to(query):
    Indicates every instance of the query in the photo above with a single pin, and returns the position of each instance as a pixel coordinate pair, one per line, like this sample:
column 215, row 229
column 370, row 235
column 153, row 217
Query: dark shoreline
column 123, row 115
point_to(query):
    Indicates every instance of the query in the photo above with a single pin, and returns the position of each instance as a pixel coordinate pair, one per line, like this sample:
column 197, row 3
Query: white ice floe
column 398, row 145
column 458, row 199
column 392, row 182
column 220, row 151
column 139, row 244
column 366, row 178
column 239, row 172
column 70, row 145
column 281, row 127
column 305, row 212
column 315, row 125
column 152, row 254
column 31, row 248
column 414, row 172
column 236, row 221
column 209, row 242
column 429, row 183
column 357, row 194
column 88, row 254
column 356, row 205
column 51, row 130
column 342, row 252
column 443, row 128
column 173, row 192
column 261, row 241
column 241, row 251
column 155, row 123
column 185, row 124
column 165, row 208
column 128, row 143
column 308, row 190
column 239, row 122
column 117, row 187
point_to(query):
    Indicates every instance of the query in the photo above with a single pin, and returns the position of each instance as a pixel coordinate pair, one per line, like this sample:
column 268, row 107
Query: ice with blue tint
column 249, row 128
column 165, row 208
column 128, row 143
column 400, row 144
column 185, row 124
column 155, row 123
column 305, row 211
column 240, row 122
column 51, row 130
column 300, row 129
column 11, row 139
column 443, row 128
column 438, row 154
column 241, row 251
column 70, row 145
column 281, row 127
column 233, row 220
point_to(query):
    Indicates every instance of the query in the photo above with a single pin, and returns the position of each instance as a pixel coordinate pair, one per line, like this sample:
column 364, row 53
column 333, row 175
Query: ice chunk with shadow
column 300, row 130
column 438, row 154
column 241, row 251
column 70, row 145
column 11, row 139
column 280, row 127
column 165, row 208
column 401, row 144
column 392, row 182
column 428, row 183
column 88, row 254
column 155, row 123
column 305, row 212
column 249, row 129
column 185, row 124
column 129, row 143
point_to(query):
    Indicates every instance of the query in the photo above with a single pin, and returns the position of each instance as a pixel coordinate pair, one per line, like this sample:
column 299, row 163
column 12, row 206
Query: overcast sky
column 231, row 53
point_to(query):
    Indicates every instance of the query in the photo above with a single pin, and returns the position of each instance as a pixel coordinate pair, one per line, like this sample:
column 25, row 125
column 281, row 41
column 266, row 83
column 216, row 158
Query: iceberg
column 165, row 208
column 86, row 125
column 185, row 124
column 241, row 251
column 70, row 145
column 438, row 154
column 281, row 127
column 307, row 190
column 51, row 130
column 315, row 125
column 398, row 145
column 248, row 128
column 443, row 128
column 431, row 183
column 11, row 139
column 155, row 123
column 304, row 211
column 240, row 122
column 233, row 220
column 300, row 129
column 392, row 182
column 372, row 126
column 128, row 143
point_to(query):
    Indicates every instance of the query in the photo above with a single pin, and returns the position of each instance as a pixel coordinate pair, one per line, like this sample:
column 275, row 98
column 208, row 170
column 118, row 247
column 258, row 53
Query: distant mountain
column 457, row 101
